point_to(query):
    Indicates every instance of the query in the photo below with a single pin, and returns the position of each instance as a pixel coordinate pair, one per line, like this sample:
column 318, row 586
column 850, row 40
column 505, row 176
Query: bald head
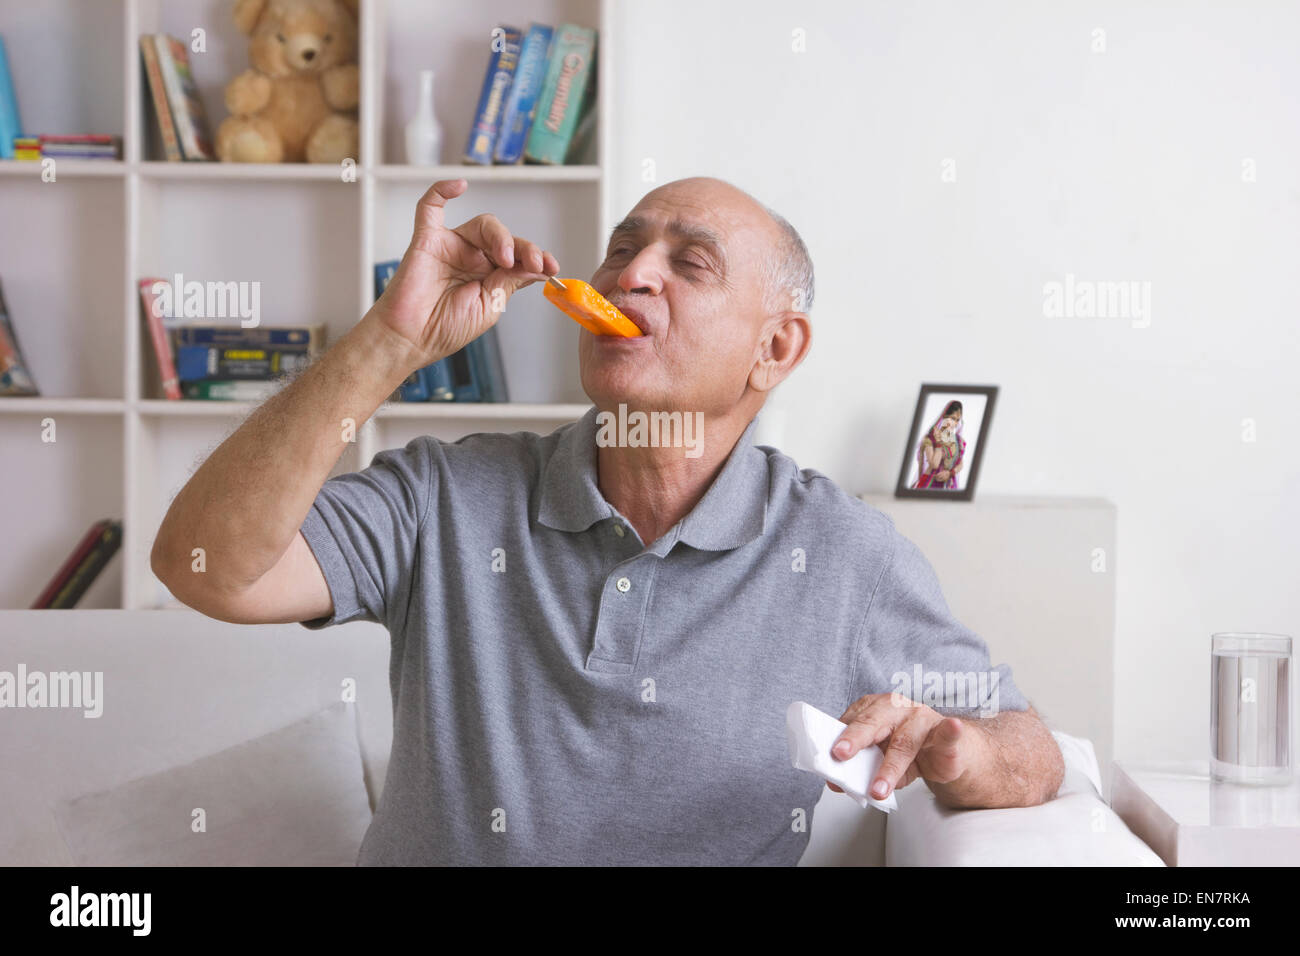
column 721, row 287
column 788, row 271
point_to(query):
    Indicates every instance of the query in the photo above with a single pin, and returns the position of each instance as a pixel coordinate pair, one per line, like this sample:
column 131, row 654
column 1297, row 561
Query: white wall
column 1119, row 165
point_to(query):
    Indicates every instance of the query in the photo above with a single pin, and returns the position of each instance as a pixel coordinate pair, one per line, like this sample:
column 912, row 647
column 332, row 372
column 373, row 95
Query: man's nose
column 643, row 274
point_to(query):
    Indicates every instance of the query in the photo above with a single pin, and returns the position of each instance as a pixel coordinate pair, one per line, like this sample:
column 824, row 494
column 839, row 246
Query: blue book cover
column 10, row 123
column 309, row 338
column 465, row 377
column 518, row 116
column 492, row 98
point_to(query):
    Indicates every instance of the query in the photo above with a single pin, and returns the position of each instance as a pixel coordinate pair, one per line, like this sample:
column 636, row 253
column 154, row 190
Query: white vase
column 423, row 134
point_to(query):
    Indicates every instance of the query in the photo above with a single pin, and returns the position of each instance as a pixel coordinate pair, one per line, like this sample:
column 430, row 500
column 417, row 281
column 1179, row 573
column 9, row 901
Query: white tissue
column 812, row 733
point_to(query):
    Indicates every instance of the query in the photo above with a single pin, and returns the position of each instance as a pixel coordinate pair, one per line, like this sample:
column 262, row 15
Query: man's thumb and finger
column 430, row 211
column 481, row 250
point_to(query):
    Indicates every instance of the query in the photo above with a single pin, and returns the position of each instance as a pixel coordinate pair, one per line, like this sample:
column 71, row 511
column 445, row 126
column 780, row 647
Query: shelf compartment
column 61, row 265
column 53, row 501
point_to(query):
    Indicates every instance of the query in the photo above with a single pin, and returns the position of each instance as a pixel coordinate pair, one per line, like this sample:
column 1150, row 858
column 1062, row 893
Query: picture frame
column 923, row 473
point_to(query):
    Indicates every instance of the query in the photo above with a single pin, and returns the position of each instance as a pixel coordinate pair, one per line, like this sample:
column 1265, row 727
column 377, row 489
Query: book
column 199, row 362
column 11, row 124
column 465, row 380
column 492, row 98
column 158, row 335
column 232, row 391
column 86, row 146
column 517, row 117
column 493, row 369
column 61, row 576
column 158, row 96
column 308, row 337
column 27, row 147
column 15, row 379
column 183, row 96
column 431, row 383
column 570, row 76
column 82, row 567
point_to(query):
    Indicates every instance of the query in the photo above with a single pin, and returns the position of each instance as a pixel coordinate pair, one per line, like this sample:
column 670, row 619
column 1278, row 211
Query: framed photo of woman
column 949, row 430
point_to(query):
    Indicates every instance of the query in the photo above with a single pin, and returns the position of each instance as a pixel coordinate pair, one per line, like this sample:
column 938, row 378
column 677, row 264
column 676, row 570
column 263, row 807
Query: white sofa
column 243, row 734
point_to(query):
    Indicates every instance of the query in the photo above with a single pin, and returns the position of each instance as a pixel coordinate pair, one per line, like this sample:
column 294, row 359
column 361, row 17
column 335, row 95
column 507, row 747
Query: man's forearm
column 247, row 501
column 1017, row 764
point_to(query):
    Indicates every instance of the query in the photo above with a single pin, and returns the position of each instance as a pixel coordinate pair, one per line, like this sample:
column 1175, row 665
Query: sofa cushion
column 292, row 797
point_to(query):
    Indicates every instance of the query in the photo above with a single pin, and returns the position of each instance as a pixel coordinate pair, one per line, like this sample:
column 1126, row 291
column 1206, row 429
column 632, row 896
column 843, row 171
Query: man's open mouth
column 638, row 319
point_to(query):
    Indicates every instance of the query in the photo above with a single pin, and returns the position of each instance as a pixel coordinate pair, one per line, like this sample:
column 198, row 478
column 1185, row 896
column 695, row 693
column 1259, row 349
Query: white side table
column 1190, row 820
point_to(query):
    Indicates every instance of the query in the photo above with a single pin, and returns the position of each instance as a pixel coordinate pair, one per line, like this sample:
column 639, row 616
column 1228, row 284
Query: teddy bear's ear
column 247, row 13
column 353, row 7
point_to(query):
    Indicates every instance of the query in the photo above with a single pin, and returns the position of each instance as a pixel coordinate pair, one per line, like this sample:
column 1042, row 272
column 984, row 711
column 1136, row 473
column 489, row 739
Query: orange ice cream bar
column 580, row 302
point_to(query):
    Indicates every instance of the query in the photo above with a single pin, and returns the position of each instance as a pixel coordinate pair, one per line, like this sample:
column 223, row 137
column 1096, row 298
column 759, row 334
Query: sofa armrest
column 1075, row 828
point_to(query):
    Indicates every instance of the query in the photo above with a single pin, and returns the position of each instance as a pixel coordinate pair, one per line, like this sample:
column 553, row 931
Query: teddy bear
column 298, row 101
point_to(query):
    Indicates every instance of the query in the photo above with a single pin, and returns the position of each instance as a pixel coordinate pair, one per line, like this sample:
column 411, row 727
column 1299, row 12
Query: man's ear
column 786, row 340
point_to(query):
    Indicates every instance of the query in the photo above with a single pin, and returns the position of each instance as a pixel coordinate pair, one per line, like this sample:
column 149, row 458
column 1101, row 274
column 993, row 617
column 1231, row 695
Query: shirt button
column 624, row 585
column 618, row 530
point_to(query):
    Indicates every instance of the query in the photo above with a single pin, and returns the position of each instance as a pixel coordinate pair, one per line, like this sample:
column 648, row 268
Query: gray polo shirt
column 564, row 694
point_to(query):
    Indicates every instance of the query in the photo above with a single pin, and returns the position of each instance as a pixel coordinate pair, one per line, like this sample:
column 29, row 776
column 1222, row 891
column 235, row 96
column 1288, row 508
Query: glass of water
column 1250, row 708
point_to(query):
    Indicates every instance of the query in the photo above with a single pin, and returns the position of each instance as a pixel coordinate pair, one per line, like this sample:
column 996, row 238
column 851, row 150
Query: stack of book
column 15, row 144
column 224, row 362
column 15, row 379
column 80, row 146
column 474, row 374
column 177, row 109
column 536, row 105
column 87, row 560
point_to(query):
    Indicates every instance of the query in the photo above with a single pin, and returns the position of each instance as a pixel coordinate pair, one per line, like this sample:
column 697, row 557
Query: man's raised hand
column 453, row 284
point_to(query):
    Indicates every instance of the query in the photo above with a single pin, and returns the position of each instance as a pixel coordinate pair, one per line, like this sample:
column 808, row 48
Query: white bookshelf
column 73, row 249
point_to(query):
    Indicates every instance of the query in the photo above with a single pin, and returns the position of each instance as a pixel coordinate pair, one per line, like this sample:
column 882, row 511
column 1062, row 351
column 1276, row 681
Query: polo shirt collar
column 732, row 512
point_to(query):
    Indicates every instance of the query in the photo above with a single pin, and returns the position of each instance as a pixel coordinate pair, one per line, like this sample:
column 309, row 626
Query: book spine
column 79, row 139
column 496, row 87
column 11, row 124
column 162, row 347
column 438, row 382
column 153, row 71
column 464, row 385
column 198, row 362
column 176, row 97
column 83, row 548
column 106, row 545
column 308, row 337
column 563, row 95
column 494, row 367
column 230, row 391
column 191, row 104
column 518, row 116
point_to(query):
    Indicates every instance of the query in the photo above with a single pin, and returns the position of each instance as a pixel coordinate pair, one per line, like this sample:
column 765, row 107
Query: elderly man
column 594, row 643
